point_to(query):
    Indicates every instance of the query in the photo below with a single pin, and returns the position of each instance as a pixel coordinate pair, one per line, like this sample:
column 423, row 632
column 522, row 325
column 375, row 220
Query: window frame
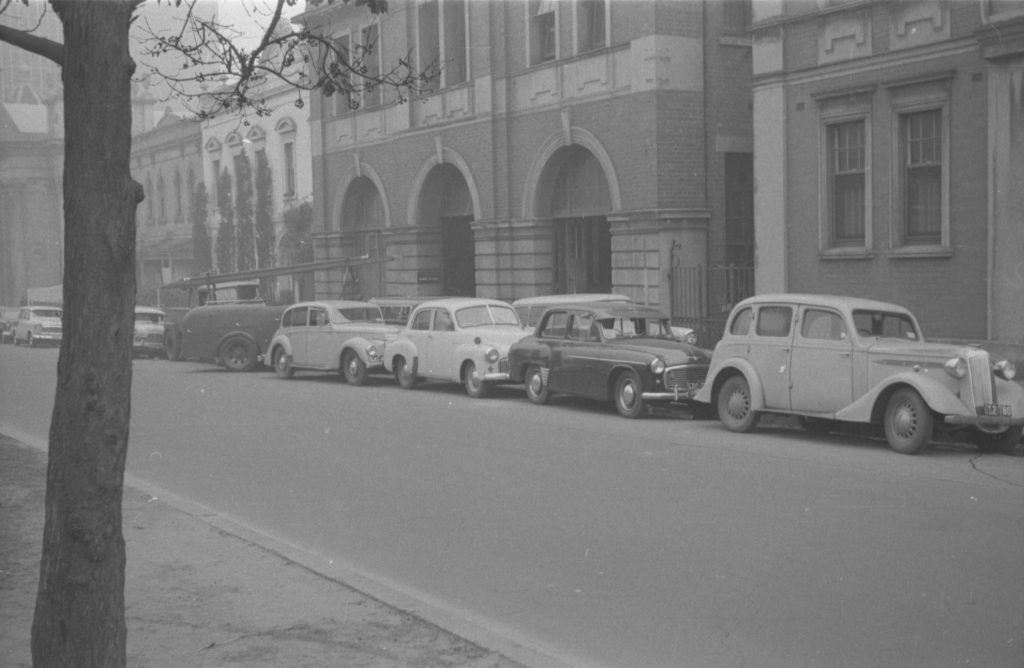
column 579, row 9
column 929, row 94
column 532, row 10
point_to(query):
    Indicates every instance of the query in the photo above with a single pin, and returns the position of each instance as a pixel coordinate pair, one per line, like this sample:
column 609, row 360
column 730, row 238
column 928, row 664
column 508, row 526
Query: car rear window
column 741, row 322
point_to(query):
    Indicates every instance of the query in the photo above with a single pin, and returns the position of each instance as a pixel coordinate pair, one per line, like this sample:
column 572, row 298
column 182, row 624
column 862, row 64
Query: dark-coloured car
column 614, row 351
column 8, row 315
column 231, row 335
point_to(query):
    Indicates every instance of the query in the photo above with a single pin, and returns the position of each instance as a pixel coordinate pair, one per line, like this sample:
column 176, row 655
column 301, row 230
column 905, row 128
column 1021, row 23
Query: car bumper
column 496, row 377
column 47, row 336
column 985, row 420
column 676, row 395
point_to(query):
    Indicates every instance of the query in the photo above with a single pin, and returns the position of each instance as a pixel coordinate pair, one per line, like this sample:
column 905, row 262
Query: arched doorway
column 362, row 225
column 578, row 204
column 446, row 202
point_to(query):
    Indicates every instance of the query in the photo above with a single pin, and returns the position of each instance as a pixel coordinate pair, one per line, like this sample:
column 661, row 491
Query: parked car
column 835, row 359
column 39, row 324
column 609, row 351
column 530, row 309
column 148, row 339
column 396, row 310
column 231, row 335
column 458, row 339
column 8, row 315
column 331, row 335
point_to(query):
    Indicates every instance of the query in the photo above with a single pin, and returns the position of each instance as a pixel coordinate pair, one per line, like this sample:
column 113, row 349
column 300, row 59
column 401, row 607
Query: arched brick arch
column 557, row 140
column 338, row 201
column 447, row 156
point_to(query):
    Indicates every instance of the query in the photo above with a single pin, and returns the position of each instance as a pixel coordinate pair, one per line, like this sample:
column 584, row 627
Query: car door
column 420, row 336
column 442, row 345
column 320, row 339
column 770, row 350
column 821, row 364
column 294, row 324
column 575, row 374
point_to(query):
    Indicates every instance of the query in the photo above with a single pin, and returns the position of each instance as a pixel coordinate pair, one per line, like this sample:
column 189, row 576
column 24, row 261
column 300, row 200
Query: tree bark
column 79, row 616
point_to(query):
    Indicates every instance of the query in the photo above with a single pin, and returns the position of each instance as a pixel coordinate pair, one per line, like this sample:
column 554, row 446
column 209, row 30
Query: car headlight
column 492, row 355
column 1006, row 369
column 371, row 351
column 956, row 367
column 658, row 366
column 690, row 339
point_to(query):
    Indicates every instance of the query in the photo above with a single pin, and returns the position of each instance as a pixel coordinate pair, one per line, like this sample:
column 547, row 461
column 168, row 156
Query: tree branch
column 40, row 46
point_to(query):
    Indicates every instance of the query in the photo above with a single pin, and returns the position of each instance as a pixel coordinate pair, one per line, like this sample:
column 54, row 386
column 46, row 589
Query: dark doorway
column 583, row 252
column 458, row 256
column 739, row 209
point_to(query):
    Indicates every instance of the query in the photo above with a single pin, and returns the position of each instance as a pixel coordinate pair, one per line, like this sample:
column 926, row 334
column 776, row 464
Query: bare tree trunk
column 79, row 617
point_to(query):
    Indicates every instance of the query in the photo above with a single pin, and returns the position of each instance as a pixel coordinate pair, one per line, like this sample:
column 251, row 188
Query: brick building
column 889, row 157
column 578, row 146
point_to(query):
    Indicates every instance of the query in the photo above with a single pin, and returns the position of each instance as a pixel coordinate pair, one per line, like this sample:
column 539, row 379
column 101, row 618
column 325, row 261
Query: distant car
column 530, row 309
column 459, row 339
column 832, row 359
column 7, row 317
column 331, row 335
column 39, row 324
column 148, row 339
column 609, row 351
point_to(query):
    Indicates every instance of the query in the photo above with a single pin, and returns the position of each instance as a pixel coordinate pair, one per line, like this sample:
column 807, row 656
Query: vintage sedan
column 331, row 335
column 610, row 351
column 38, row 325
column 458, row 339
column 530, row 309
column 148, row 338
column 835, row 359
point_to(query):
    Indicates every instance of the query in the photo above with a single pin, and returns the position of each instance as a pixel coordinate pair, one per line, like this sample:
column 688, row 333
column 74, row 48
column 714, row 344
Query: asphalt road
column 592, row 538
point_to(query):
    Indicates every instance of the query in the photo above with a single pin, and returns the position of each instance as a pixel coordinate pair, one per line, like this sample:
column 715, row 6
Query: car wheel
column 30, row 340
column 172, row 346
column 819, row 426
column 734, row 405
column 536, row 385
column 237, row 354
column 1008, row 442
column 476, row 387
column 353, row 368
column 282, row 366
column 628, row 401
column 403, row 374
column 908, row 422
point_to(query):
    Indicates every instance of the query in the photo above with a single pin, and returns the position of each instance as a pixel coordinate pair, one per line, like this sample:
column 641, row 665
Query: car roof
column 460, row 302
column 573, row 298
column 838, row 301
column 614, row 309
column 336, row 304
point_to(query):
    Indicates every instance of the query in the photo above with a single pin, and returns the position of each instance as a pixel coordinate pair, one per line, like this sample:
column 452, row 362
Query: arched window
column 363, row 207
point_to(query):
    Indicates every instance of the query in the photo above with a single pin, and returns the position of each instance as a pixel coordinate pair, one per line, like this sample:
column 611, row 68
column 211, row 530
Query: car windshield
column 359, row 314
column 885, row 324
column 46, row 313
column 478, row 316
column 155, row 318
column 633, row 328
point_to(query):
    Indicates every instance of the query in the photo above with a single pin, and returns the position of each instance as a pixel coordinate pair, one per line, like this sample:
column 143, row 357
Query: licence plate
column 997, row 410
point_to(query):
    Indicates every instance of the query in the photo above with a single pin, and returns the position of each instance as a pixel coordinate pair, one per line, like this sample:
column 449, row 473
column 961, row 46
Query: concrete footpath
column 197, row 595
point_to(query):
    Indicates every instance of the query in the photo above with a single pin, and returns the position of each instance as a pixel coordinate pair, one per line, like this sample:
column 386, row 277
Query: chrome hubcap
column 536, row 383
column 737, row 404
column 628, row 394
column 904, row 420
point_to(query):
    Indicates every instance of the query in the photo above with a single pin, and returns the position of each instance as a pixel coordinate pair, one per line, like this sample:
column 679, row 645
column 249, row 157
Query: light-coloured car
column 148, row 339
column 459, row 339
column 331, row 335
column 39, row 324
column 832, row 359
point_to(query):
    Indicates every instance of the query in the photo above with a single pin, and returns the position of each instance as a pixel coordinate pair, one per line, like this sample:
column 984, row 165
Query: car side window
column 774, row 320
column 741, row 323
column 421, row 320
column 584, row 328
column 443, row 321
column 823, row 325
column 296, row 317
column 554, row 326
column 318, row 317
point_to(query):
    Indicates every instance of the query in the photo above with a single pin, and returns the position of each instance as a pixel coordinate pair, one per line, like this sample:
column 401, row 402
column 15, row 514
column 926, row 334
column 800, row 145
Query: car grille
column 155, row 337
column 503, row 365
column 685, row 378
column 981, row 385
column 52, row 330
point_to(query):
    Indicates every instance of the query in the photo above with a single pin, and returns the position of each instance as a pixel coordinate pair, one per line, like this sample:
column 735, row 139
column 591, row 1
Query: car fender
column 868, row 407
column 358, row 344
column 475, row 352
column 240, row 333
column 399, row 348
column 730, row 367
column 279, row 340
